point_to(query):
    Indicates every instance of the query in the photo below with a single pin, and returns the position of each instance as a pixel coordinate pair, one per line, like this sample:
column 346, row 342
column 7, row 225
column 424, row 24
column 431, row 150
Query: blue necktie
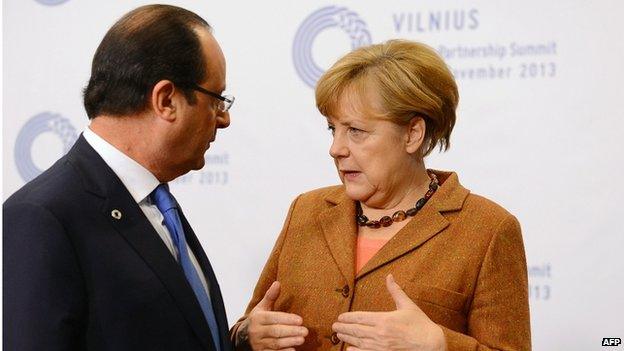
column 169, row 209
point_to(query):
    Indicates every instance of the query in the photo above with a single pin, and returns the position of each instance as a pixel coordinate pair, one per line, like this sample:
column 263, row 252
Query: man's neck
column 132, row 136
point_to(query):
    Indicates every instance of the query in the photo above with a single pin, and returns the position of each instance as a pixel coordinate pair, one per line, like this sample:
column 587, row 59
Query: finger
column 352, row 340
column 357, row 330
column 266, row 304
column 283, row 343
column 353, row 348
column 271, row 317
column 284, row 331
column 361, row 317
column 399, row 296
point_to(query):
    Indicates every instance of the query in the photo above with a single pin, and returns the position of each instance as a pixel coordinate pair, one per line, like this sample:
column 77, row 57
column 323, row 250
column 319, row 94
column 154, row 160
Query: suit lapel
column 134, row 227
column 340, row 232
column 215, row 291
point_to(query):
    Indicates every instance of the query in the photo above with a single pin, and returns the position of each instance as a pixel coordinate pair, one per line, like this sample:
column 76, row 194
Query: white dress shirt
column 140, row 183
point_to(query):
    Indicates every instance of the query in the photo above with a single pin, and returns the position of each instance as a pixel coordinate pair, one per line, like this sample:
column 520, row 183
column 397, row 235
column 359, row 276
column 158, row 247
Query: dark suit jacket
column 76, row 278
column 460, row 259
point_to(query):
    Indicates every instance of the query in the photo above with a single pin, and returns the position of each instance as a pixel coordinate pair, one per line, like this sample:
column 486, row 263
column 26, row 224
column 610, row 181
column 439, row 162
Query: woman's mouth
column 350, row 175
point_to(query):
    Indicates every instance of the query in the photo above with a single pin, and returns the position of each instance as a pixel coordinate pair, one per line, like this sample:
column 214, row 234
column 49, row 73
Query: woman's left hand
column 407, row 328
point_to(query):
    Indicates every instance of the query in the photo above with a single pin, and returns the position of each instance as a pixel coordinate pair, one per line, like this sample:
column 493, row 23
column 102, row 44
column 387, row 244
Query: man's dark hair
column 149, row 44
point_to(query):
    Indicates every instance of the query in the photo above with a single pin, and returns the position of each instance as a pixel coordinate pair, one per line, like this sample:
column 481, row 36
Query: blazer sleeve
column 44, row 298
column 498, row 318
column 267, row 277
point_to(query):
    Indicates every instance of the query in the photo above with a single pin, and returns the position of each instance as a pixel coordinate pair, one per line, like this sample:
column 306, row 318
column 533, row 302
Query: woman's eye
column 331, row 129
column 355, row 131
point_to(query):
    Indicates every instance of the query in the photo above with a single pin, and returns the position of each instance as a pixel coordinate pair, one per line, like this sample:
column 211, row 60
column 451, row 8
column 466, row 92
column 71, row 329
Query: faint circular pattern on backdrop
column 44, row 122
column 315, row 23
column 51, row 2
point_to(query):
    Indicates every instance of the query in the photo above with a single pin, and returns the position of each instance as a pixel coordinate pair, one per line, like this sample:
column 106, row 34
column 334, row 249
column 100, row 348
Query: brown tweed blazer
column 461, row 260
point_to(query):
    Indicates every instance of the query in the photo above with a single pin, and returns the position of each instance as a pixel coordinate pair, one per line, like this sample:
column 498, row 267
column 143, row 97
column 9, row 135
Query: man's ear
column 163, row 100
column 415, row 134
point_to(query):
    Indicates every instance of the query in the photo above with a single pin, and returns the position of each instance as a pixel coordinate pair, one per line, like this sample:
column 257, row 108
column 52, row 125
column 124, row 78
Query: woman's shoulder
column 453, row 196
column 481, row 204
column 321, row 198
column 488, row 216
column 328, row 193
column 456, row 196
column 323, row 193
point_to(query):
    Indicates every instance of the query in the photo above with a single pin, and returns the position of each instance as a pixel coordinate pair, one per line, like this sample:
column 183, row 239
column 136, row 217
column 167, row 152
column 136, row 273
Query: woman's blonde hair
column 411, row 80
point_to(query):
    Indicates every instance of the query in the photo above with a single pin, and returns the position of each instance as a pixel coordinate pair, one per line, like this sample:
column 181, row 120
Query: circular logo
column 318, row 21
column 51, row 2
column 37, row 125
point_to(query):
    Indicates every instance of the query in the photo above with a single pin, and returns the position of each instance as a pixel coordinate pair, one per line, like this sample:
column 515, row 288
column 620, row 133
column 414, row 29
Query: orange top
column 366, row 249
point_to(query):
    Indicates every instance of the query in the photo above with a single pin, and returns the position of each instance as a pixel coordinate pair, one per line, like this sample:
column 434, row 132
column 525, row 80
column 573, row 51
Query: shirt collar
column 137, row 179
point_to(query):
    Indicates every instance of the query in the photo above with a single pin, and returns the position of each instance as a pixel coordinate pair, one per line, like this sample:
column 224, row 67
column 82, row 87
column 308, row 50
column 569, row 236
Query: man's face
column 199, row 121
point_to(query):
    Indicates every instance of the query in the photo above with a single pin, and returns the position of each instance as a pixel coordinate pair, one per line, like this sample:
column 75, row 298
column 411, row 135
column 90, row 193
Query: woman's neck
column 413, row 188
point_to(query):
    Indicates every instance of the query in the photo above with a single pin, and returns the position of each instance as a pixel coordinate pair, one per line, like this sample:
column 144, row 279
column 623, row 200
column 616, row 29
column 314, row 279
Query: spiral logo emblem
column 51, row 2
column 37, row 125
column 318, row 21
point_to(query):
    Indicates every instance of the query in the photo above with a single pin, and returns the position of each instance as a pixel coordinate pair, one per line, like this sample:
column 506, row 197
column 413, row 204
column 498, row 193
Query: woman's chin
column 356, row 193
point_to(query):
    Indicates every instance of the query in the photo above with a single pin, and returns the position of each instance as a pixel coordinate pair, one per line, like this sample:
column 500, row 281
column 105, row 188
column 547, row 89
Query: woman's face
column 370, row 153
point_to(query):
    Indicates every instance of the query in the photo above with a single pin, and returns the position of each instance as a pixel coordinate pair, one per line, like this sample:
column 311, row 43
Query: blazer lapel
column 425, row 225
column 421, row 228
column 130, row 222
column 215, row 291
column 340, row 231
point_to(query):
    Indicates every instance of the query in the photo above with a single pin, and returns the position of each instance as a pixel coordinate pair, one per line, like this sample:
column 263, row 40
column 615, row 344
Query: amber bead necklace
column 399, row 215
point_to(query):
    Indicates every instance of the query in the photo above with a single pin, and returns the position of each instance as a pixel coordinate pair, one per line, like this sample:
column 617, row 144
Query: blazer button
column 345, row 291
column 334, row 338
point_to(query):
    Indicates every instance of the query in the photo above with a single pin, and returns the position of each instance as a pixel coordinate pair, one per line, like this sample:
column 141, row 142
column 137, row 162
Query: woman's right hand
column 265, row 329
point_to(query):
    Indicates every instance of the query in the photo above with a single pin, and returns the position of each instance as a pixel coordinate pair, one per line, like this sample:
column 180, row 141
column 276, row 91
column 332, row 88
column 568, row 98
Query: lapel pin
column 116, row 214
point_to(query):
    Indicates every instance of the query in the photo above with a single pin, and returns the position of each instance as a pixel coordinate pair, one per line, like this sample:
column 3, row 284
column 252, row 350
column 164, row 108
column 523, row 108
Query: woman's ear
column 163, row 100
column 415, row 134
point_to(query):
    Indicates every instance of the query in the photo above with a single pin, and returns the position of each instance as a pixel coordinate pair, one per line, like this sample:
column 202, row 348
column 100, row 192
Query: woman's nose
column 338, row 147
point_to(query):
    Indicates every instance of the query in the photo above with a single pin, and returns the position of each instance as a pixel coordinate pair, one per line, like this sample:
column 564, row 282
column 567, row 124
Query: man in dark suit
column 97, row 253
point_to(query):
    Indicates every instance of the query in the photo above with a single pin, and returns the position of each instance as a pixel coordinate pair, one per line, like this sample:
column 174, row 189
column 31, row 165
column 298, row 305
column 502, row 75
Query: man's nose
column 223, row 119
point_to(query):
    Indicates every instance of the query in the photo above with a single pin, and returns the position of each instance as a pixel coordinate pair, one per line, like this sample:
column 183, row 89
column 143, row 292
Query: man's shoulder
column 51, row 188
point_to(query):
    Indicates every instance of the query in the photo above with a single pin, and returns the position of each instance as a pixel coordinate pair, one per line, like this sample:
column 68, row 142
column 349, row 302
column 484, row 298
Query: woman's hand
column 407, row 328
column 265, row 329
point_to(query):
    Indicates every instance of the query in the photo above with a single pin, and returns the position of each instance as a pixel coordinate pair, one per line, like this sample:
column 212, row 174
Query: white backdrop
column 539, row 127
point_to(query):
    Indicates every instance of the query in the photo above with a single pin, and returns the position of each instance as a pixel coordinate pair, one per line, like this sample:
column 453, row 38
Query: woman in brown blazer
column 399, row 257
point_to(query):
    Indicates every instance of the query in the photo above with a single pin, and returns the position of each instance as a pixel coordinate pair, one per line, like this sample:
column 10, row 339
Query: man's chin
column 199, row 164
column 196, row 164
